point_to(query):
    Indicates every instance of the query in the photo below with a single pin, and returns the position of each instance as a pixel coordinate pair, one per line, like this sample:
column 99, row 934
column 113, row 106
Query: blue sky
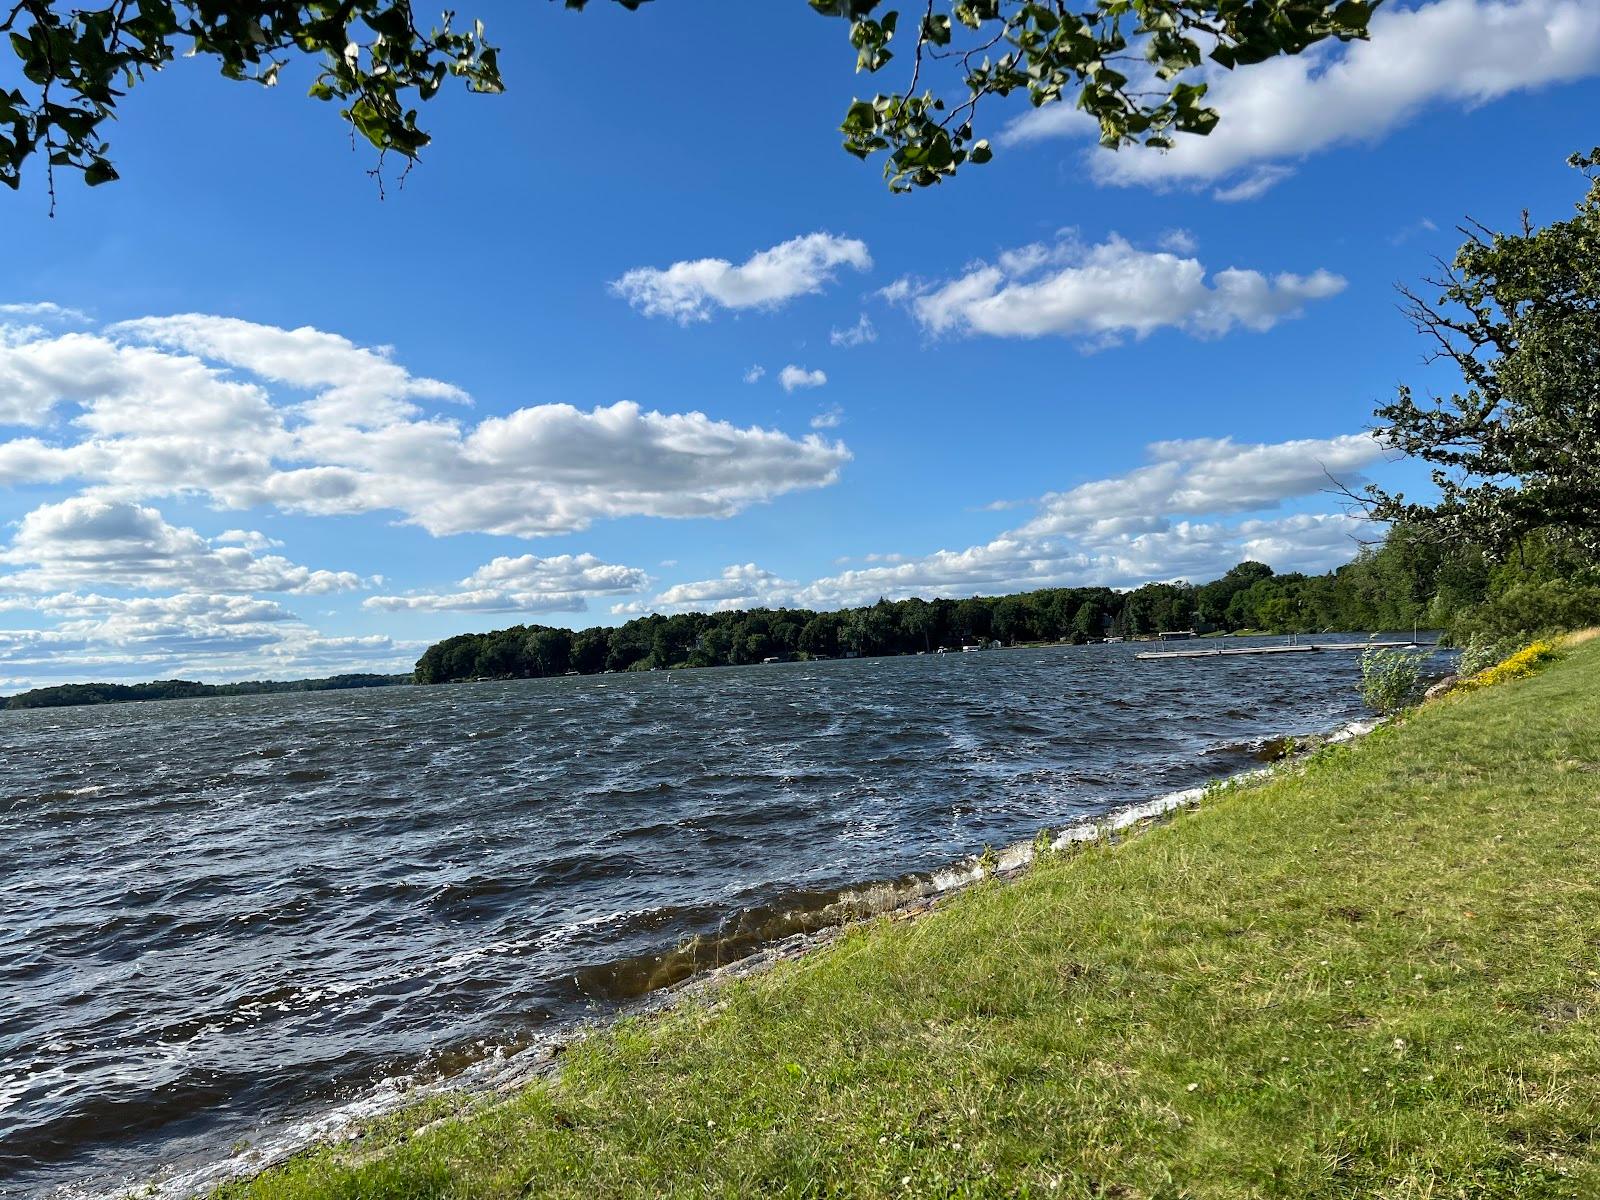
column 255, row 420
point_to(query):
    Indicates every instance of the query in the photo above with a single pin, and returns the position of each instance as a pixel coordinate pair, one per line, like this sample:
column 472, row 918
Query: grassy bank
column 1373, row 977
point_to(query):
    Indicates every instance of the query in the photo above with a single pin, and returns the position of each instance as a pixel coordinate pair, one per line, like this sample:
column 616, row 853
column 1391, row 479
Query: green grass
column 1376, row 976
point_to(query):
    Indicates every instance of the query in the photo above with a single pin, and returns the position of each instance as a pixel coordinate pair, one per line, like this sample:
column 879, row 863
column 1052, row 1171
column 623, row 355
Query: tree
column 1281, row 614
column 376, row 63
column 628, row 645
column 1212, row 601
column 1157, row 607
column 974, row 618
column 549, row 651
column 1514, row 453
column 819, row 637
column 1010, row 621
column 500, row 654
column 590, row 649
column 918, row 619
column 1088, row 622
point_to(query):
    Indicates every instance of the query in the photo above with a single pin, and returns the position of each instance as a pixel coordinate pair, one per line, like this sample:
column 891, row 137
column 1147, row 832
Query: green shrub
column 1391, row 678
column 1526, row 611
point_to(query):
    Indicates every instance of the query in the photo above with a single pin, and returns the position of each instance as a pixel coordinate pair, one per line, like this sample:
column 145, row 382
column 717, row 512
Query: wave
column 642, row 982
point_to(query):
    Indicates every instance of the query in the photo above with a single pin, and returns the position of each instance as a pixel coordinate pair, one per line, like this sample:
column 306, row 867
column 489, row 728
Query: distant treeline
column 67, row 695
column 1394, row 587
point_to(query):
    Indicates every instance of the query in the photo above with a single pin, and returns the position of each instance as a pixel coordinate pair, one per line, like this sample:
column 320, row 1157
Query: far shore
column 74, row 695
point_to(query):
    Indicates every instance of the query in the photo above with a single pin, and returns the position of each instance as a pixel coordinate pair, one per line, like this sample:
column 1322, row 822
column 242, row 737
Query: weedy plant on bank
column 1391, row 677
column 1044, row 844
column 1480, row 653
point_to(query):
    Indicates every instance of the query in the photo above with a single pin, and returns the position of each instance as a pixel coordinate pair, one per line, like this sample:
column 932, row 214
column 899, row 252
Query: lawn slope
column 1375, row 976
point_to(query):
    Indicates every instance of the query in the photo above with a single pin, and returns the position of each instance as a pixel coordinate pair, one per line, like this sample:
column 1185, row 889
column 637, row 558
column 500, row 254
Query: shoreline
column 498, row 1075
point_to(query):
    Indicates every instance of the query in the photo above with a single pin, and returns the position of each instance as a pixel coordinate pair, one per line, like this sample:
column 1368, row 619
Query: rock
column 1448, row 684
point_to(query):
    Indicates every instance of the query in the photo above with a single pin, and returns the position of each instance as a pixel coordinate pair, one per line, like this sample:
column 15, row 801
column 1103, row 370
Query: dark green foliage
column 68, row 695
column 1514, row 452
column 376, row 62
column 1408, row 582
column 1545, row 587
column 1051, row 51
column 76, row 63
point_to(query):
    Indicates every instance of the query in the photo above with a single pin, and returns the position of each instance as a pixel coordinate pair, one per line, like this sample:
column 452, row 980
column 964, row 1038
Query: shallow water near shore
column 219, row 917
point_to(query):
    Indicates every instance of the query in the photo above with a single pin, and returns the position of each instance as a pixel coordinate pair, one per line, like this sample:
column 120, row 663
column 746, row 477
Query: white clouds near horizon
column 246, row 416
column 1200, row 477
column 1163, row 521
column 88, row 541
column 196, row 635
column 525, row 583
column 743, row 585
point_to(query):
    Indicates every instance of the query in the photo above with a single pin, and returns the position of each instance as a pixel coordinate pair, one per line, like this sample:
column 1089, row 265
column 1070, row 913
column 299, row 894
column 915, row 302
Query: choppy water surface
column 220, row 915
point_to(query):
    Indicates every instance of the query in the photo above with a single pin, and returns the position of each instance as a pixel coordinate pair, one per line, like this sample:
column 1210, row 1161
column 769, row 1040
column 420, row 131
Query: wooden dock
column 1293, row 648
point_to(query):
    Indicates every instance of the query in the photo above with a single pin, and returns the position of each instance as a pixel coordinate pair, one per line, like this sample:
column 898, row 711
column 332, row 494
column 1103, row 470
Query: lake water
column 221, row 916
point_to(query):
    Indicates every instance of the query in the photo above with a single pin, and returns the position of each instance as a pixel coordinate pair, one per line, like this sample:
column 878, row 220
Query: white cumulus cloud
column 1458, row 52
column 689, row 291
column 87, row 540
column 157, row 407
column 1101, row 293
column 1197, row 477
column 354, row 384
column 43, row 309
column 793, row 377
